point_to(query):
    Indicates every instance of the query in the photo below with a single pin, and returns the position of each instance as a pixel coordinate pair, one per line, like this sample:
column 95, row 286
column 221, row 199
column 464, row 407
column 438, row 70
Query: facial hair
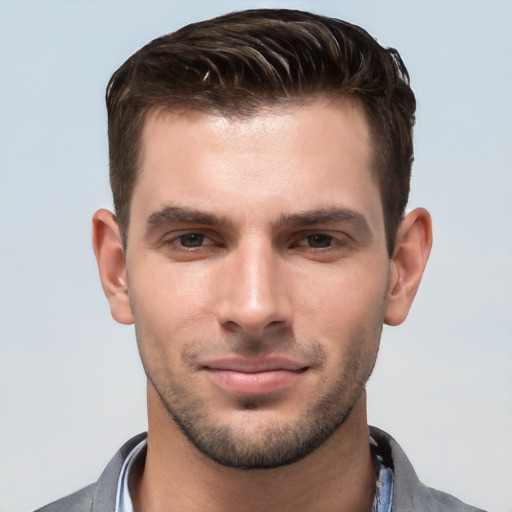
column 276, row 443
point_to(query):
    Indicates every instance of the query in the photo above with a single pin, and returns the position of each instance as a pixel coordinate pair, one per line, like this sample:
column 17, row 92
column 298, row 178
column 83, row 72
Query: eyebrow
column 176, row 214
column 327, row 215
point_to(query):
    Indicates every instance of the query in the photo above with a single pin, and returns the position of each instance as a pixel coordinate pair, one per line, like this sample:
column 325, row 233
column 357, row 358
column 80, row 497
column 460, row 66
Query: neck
column 338, row 476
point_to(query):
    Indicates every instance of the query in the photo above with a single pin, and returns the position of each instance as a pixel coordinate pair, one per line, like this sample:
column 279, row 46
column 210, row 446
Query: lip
column 254, row 376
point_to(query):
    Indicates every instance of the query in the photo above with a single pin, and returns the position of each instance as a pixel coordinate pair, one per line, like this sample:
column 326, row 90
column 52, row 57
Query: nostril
column 231, row 326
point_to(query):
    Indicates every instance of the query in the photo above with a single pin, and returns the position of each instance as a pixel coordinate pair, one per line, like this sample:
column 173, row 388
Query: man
column 260, row 166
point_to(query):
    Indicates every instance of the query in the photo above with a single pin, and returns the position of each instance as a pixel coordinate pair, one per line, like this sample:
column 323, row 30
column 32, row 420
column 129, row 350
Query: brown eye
column 191, row 240
column 320, row 241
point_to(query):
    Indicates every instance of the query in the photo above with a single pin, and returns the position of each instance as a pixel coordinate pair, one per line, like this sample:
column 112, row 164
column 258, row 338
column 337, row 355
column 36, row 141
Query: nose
column 254, row 295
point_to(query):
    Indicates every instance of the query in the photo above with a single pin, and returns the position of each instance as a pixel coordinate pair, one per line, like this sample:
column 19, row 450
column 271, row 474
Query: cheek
column 346, row 297
column 168, row 302
column 345, row 313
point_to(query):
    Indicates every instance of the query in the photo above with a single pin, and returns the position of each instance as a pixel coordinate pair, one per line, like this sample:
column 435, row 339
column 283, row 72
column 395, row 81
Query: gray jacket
column 409, row 494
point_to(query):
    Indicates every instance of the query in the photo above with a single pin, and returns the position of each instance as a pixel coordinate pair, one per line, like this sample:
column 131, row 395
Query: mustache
column 247, row 346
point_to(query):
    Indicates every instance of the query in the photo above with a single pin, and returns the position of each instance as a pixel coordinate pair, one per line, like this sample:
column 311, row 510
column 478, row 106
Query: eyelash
column 194, row 237
column 325, row 240
column 176, row 241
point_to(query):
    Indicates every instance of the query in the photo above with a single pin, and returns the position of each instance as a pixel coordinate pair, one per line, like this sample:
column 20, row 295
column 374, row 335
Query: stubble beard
column 275, row 444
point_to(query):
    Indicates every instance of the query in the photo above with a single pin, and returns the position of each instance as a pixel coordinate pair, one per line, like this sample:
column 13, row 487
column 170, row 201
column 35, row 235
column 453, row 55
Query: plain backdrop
column 72, row 388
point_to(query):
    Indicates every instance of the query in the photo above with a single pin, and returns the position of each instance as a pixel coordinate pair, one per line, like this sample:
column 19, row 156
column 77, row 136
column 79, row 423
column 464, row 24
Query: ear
column 108, row 249
column 413, row 244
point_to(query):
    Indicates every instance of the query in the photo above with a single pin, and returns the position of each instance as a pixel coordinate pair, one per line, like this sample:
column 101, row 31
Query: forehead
column 302, row 156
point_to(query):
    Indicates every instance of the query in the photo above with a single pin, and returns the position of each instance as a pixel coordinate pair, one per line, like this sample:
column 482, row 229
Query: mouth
column 254, row 377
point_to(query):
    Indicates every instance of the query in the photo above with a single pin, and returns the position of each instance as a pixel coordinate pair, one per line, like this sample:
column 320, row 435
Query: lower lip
column 259, row 383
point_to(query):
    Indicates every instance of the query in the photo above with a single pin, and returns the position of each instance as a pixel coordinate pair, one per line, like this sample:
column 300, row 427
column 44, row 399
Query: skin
column 257, row 275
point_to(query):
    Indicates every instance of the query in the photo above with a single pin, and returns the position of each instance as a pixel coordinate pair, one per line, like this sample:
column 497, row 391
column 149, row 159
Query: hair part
column 237, row 64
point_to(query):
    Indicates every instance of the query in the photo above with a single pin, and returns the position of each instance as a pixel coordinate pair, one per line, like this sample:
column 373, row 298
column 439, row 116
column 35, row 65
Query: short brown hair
column 238, row 63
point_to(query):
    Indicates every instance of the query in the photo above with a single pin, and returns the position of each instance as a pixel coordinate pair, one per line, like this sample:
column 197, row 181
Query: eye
column 184, row 245
column 191, row 240
column 321, row 244
column 319, row 241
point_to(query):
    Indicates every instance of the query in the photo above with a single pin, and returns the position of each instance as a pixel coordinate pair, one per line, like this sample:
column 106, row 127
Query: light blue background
column 72, row 389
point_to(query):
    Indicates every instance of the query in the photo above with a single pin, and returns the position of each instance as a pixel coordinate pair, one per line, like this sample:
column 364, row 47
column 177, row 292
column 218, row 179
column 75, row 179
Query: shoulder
column 100, row 496
column 409, row 493
column 80, row 501
column 447, row 502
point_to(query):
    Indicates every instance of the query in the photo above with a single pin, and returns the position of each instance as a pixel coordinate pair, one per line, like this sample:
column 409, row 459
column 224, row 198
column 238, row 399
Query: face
column 257, row 274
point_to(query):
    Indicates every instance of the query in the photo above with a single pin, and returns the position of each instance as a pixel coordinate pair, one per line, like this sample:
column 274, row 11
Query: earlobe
column 413, row 245
column 109, row 252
